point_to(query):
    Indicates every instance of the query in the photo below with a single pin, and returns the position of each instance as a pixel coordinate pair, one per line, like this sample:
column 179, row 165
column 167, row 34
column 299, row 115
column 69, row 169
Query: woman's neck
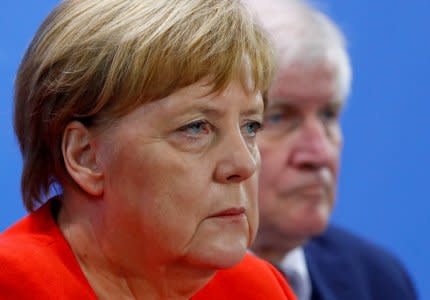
column 159, row 283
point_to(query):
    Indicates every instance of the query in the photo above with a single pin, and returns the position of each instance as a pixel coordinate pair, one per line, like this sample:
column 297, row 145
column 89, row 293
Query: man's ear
column 80, row 158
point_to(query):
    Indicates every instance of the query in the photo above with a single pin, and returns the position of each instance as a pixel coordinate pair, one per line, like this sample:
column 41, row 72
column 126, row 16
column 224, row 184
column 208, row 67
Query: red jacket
column 36, row 262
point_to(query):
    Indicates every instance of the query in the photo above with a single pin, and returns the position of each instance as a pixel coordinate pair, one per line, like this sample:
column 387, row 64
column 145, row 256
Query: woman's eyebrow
column 257, row 110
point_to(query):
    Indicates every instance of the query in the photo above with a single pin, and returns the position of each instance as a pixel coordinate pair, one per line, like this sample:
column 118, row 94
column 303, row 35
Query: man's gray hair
column 305, row 35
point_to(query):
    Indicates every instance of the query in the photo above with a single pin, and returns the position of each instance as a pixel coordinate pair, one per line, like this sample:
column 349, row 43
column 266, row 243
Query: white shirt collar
column 294, row 264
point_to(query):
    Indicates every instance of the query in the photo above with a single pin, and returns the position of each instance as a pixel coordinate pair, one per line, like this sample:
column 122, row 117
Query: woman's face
column 180, row 181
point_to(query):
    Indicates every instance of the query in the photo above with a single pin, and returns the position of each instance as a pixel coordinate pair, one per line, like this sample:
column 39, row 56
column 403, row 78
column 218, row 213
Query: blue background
column 383, row 191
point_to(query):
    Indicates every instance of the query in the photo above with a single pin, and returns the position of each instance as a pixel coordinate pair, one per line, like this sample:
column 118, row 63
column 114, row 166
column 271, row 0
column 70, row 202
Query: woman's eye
column 252, row 128
column 196, row 128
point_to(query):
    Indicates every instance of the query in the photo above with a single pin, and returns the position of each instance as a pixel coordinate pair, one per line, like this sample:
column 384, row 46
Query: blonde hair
column 96, row 60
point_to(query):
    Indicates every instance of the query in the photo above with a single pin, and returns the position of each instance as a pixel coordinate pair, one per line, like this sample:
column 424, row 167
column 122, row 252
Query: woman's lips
column 230, row 212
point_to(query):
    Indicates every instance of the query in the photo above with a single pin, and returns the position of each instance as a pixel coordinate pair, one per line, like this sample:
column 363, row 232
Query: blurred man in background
column 300, row 148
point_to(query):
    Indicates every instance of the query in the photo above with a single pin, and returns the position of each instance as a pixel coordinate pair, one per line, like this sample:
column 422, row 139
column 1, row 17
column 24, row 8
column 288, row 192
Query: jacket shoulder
column 369, row 266
column 37, row 263
column 252, row 279
column 337, row 241
column 25, row 266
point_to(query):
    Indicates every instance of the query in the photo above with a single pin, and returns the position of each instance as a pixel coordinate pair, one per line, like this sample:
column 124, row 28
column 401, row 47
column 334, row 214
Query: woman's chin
column 220, row 255
column 220, row 243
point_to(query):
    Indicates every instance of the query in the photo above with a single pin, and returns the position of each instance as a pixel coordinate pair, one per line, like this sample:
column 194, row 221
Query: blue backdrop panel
column 384, row 178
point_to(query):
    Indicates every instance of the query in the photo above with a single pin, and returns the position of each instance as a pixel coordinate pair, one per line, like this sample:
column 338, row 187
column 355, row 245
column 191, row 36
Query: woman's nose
column 238, row 161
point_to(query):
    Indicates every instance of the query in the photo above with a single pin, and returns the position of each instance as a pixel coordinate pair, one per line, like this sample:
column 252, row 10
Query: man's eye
column 196, row 127
column 252, row 128
column 329, row 114
column 273, row 118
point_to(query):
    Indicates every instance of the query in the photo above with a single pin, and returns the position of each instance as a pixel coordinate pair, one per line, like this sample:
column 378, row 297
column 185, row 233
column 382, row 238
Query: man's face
column 300, row 148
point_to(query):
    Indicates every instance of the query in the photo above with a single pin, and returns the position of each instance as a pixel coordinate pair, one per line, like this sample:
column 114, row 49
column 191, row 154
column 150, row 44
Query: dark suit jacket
column 345, row 267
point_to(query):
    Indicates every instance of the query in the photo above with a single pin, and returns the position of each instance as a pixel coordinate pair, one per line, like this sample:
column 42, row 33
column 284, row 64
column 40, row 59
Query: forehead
column 305, row 84
column 199, row 98
column 201, row 94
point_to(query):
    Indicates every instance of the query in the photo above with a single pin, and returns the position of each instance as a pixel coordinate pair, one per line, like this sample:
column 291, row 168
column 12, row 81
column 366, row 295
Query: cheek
column 253, row 204
column 336, row 146
column 336, row 136
column 158, row 191
column 272, row 160
column 181, row 189
column 267, row 200
column 167, row 218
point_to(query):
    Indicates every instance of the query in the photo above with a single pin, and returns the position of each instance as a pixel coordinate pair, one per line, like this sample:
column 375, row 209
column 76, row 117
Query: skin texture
column 154, row 188
column 300, row 149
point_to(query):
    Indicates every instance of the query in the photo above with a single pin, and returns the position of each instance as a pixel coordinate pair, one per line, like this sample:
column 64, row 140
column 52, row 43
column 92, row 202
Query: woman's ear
column 80, row 159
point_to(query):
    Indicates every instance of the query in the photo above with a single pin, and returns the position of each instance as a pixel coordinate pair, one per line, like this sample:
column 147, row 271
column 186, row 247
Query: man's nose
column 313, row 148
column 238, row 160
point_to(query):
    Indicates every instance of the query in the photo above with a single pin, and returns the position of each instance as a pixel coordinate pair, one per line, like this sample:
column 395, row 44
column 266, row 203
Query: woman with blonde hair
column 142, row 116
